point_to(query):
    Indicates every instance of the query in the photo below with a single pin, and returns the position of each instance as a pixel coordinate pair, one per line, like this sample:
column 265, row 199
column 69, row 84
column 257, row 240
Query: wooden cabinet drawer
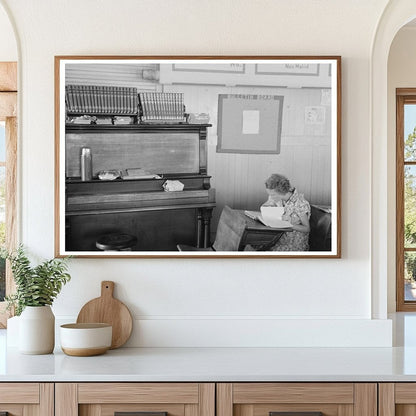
column 24, row 399
column 105, row 399
column 332, row 399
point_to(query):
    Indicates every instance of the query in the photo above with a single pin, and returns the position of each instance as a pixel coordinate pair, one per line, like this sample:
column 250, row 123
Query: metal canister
column 86, row 164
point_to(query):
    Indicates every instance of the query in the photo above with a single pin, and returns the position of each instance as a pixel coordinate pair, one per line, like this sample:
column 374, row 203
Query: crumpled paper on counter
column 172, row 186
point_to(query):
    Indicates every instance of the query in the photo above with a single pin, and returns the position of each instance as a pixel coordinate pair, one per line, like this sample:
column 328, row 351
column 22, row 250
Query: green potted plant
column 36, row 289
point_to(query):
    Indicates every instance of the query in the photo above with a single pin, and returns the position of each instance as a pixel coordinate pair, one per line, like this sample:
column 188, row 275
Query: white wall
column 216, row 301
column 401, row 74
column 8, row 47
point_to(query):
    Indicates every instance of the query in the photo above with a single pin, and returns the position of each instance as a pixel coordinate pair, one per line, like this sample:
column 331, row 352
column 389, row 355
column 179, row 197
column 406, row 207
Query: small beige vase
column 37, row 330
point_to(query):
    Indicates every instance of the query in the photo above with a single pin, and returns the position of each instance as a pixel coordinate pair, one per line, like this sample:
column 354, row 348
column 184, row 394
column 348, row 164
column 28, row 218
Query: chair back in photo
column 320, row 234
column 230, row 230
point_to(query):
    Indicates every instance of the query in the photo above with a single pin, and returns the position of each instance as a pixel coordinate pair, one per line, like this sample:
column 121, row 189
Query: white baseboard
column 255, row 332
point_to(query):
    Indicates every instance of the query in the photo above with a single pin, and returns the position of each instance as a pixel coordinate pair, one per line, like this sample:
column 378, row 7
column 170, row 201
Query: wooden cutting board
column 108, row 310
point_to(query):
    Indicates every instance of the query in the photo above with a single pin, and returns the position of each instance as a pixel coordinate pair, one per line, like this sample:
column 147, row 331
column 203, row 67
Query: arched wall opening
column 396, row 15
column 401, row 74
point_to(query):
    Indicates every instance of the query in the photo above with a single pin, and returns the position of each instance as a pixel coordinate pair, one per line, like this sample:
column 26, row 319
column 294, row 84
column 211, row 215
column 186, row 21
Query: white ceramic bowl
column 83, row 340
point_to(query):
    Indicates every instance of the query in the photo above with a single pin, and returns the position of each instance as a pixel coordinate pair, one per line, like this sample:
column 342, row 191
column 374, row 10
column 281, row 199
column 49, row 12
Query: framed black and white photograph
column 198, row 156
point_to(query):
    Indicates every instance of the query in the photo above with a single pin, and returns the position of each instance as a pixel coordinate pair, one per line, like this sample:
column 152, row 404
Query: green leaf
column 35, row 286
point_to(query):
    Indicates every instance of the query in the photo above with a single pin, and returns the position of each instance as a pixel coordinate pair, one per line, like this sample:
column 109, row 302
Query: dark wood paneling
column 155, row 230
column 156, row 153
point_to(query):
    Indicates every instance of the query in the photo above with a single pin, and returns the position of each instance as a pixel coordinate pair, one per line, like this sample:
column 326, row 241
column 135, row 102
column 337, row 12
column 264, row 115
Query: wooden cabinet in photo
column 296, row 399
column 109, row 399
column 138, row 204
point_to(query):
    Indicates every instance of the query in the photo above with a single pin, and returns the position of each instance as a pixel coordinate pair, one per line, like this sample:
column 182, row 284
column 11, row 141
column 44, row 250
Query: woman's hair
column 279, row 183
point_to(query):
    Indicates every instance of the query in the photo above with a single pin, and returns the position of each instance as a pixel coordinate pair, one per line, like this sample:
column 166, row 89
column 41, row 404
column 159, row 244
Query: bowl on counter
column 84, row 340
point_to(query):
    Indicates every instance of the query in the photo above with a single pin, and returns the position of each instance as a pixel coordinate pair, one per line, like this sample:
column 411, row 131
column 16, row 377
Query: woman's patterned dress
column 295, row 206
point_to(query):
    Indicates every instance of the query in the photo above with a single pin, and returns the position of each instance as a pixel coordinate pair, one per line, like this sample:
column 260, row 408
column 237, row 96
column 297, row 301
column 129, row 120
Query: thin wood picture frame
column 137, row 167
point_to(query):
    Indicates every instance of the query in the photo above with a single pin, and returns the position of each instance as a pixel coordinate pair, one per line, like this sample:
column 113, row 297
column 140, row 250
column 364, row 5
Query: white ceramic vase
column 12, row 334
column 37, row 330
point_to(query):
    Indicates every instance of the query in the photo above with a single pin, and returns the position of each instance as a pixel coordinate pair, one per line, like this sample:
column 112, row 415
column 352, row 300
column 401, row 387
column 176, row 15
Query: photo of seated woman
column 296, row 210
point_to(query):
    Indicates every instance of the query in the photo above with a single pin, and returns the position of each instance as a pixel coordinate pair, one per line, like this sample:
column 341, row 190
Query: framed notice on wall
column 249, row 123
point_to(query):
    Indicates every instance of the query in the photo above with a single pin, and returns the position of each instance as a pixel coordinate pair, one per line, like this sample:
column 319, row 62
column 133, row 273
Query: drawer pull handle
column 140, row 414
column 295, row 413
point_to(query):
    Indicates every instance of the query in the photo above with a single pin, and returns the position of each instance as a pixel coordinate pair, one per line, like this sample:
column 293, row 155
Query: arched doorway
column 395, row 16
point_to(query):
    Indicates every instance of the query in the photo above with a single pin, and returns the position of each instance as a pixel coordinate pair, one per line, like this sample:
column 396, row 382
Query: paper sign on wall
column 315, row 115
column 251, row 122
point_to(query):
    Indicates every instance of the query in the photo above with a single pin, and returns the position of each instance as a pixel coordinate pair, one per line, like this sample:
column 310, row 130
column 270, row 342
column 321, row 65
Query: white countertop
column 215, row 364
column 222, row 364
